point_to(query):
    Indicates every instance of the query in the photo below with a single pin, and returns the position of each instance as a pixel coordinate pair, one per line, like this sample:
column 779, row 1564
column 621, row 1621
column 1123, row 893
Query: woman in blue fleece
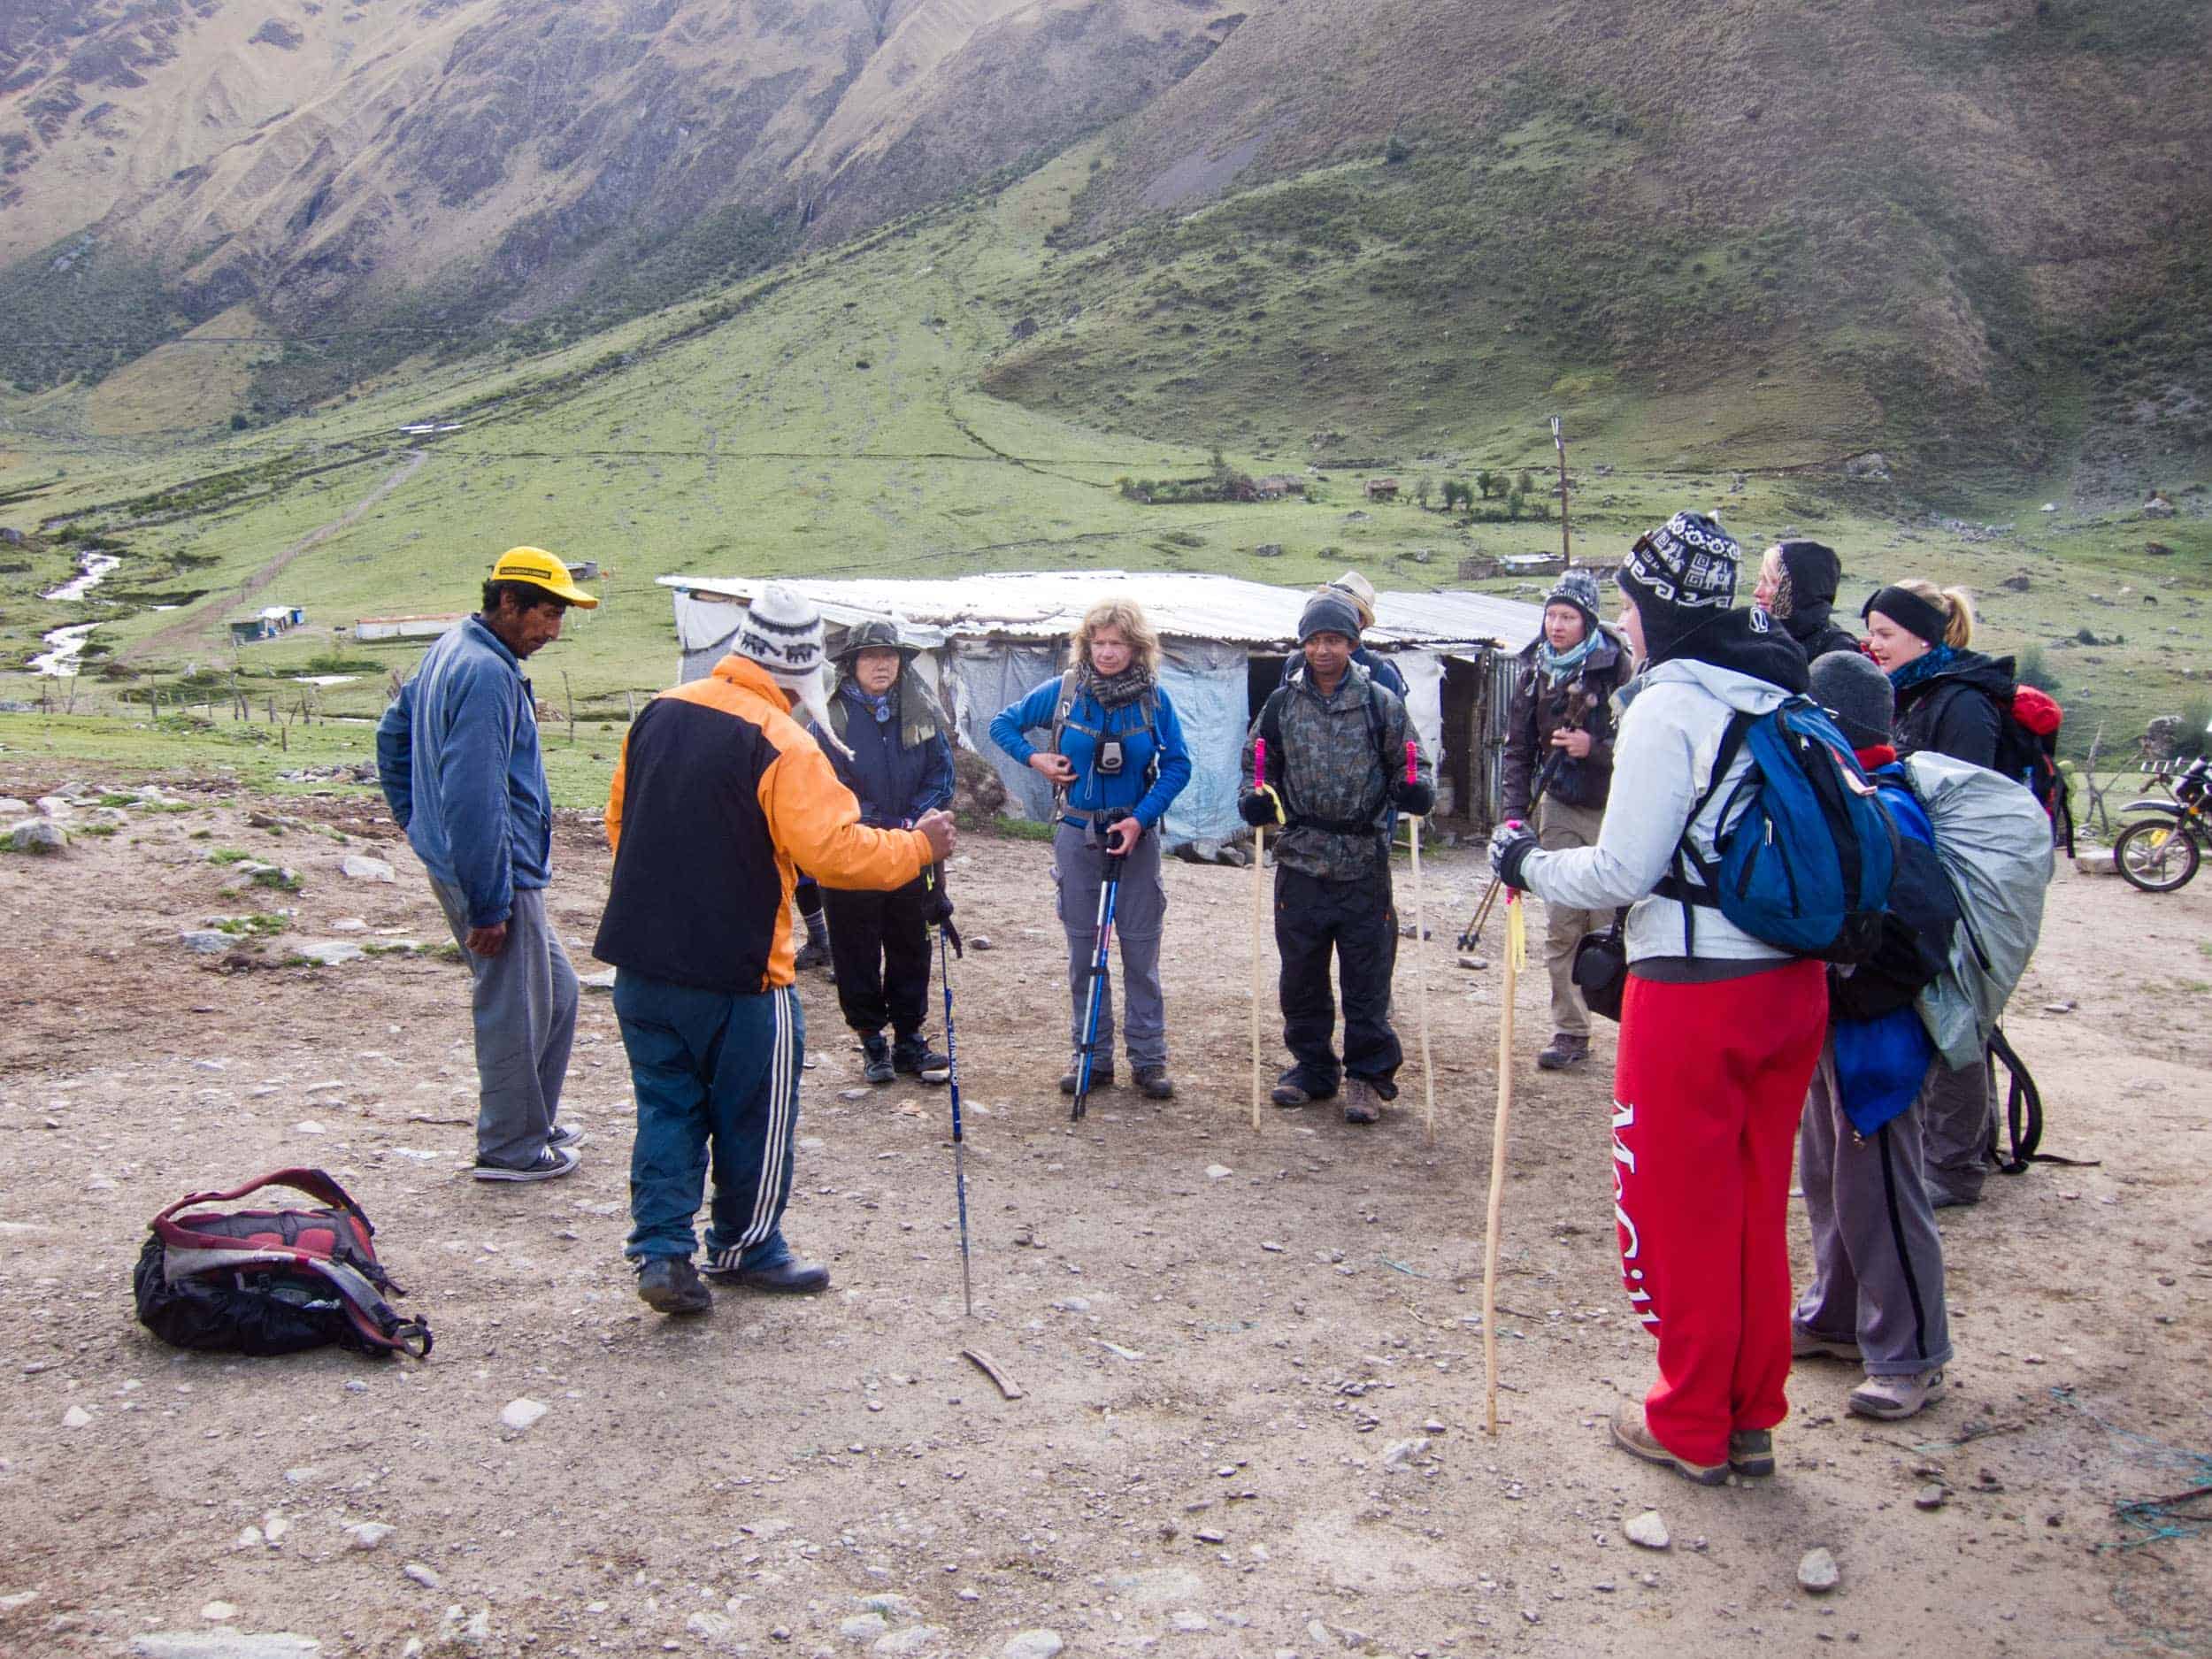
column 1876, row 1292
column 1119, row 748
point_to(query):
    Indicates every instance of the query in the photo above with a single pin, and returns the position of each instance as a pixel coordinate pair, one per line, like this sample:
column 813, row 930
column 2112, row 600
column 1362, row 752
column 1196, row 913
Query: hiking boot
column 550, row 1165
column 1952, row 1197
column 1751, row 1452
column 1633, row 1436
column 875, row 1058
column 1566, row 1050
column 1890, row 1398
column 813, row 954
column 1293, row 1088
column 1154, row 1083
column 790, row 1276
column 1361, row 1105
column 1811, row 1345
column 1101, row 1077
column 669, row 1283
column 912, row 1055
column 564, row 1135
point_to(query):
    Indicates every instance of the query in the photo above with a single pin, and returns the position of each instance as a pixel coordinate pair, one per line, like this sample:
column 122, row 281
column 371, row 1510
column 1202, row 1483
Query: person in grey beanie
column 1876, row 1297
column 1559, row 728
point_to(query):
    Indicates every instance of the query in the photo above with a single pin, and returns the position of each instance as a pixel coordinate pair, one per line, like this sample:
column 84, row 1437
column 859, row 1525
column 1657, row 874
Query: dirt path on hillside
column 194, row 627
column 1252, row 1364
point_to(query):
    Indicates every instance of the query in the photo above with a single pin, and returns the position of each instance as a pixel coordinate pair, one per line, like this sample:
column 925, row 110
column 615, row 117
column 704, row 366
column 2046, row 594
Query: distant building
column 584, row 570
column 252, row 630
column 1382, row 489
column 1279, row 485
column 404, row 627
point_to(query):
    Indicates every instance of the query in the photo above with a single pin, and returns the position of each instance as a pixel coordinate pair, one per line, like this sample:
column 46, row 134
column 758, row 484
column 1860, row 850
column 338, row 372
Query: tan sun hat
column 1361, row 592
column 540, row 569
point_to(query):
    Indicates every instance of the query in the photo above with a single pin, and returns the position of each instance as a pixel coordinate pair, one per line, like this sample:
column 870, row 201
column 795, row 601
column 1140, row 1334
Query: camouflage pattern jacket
column 1334, row 764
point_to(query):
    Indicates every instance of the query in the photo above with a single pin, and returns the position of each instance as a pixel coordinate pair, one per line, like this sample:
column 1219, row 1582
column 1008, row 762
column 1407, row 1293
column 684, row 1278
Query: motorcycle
column 2161, row 853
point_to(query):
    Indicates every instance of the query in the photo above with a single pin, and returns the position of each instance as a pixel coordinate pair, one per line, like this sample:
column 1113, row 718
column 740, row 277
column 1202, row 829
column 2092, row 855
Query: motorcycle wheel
column 2157, row 855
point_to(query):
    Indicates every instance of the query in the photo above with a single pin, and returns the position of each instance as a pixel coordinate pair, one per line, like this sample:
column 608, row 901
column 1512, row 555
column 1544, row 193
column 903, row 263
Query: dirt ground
column 1252, row 1416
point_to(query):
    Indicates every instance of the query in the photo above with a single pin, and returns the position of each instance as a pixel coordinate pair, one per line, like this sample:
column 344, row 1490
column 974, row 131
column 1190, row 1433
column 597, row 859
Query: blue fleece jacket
column 457, row 752
column 895, row 782
column 1880, row 1064
column 1093, row 791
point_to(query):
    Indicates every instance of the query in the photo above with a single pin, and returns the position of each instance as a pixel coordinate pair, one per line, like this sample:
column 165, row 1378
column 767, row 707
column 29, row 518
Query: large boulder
column 979, row 794
column 37, row 835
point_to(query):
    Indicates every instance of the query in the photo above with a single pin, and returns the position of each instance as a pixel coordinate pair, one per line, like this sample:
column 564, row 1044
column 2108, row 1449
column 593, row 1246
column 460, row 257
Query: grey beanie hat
column 1579, row 589
column 1329, row 613
column 1858, row 693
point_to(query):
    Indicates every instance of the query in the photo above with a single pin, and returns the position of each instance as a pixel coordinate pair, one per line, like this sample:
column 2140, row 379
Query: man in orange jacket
column 718, row 793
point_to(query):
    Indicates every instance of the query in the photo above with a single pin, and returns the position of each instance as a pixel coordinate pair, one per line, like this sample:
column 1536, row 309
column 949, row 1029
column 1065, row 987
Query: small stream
column 65, row 646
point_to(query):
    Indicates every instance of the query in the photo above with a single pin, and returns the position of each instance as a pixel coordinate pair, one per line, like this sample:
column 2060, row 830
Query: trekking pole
column 1086, row 1057
column 944, row 935
column 1516, row 944
column 1259, row 919
column 1472, row 937
column 1420, row 932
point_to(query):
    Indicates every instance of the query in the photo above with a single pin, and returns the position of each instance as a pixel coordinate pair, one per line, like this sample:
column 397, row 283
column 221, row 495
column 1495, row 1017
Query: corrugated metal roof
column 1048, row 604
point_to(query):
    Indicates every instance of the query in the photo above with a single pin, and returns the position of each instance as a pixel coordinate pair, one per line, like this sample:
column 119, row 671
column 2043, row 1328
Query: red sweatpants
column 1710, row 1082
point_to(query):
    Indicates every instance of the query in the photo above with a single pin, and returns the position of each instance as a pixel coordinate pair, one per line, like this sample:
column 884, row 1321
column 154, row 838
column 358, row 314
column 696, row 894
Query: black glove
column 937, row 905
column 952, row 937
column 1416, row 798
column 1510, row 844
column 1258, row 808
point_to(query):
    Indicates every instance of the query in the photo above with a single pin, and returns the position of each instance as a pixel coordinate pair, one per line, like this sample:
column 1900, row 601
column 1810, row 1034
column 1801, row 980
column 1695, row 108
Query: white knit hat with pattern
column 782, row 632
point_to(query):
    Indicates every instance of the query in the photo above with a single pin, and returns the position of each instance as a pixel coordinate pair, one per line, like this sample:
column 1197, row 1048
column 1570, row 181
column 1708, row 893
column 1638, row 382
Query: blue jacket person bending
column 456, row 753
column 718, row 791
column 1116, row 745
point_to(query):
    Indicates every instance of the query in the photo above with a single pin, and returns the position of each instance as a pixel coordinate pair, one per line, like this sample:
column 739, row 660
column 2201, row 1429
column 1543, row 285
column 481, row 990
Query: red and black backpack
column 271, row 1281
column 2027, row 752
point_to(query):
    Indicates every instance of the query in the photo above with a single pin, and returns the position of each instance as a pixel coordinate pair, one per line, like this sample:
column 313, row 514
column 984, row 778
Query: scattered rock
column 367, row 1534
column 205, row 942
column 420, row 1574
column 915, row 1639
column 1188, row 1622
column 981, row 941
column 715, row 1629
column 1818, row 1573
column 76, row 1418
column 1474, row 963
column 1871, row 467
column 361, row 867
column 349, row 925
column 604, row 980
column 223, row 1644
column 863, row 1627
column 1932, row 1496
column 328, row 953
column 1648, row 1530
column 37, row 835
column 217, row 1612
column 1033, row 1644
column 1218, row 1172
column 521, row 1415
column 1399, row 1454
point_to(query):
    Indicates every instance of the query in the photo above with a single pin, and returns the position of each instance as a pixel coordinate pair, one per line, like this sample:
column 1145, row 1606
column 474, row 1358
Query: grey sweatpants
column 1958, row 1114
column 524, row 1003
column 1560, row 826
column 1878, row 1260
column 1078, row 871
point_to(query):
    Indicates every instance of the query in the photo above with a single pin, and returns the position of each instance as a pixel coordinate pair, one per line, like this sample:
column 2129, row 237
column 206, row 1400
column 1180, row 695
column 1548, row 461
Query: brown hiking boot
column 1633, row 1436
column 1566, row 1050
column 1361, row 1103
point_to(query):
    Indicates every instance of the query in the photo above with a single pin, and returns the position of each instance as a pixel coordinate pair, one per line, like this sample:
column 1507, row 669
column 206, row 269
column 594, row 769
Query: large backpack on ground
column 271, row 1281
column 1995, row 845
column 2027, row 753
column 1806, row 850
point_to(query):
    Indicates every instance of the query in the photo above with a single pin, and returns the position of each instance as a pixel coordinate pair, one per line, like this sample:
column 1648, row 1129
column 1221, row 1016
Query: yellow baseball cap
column 540, row 569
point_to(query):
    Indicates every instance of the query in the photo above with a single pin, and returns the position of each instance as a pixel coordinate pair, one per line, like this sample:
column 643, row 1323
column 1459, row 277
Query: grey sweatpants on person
column 1078, row 871
column 1878, row 1260
column 524, row 1003
column 1560, row 826
column 1958, row 1114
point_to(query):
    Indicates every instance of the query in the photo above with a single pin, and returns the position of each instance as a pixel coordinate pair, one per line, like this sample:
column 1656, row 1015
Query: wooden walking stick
column 1259, row 919
column 1420, row 962
column 1516, row 950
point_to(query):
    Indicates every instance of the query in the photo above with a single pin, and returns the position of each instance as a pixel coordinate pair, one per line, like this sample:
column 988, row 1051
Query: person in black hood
column 1797, row 588
column 1951, row 700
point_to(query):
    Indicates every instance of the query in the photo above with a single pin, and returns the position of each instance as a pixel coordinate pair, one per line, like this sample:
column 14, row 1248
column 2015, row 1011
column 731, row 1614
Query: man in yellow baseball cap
column 458, row 755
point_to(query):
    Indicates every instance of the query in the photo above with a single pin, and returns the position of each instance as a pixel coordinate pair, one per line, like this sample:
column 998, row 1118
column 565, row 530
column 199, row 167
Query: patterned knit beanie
column 782, row 632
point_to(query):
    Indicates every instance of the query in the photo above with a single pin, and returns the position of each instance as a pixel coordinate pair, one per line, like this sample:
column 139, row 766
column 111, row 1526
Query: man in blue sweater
column 897, row 761
column 456, row 753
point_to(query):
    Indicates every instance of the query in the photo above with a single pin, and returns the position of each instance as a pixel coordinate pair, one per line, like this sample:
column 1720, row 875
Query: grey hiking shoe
column 1890, row 1398
column 1362, row 1105
column 550, row 1165
column 1751, row 1452
column 876, row 1059
column 669, row 1283
column 1811, row 1345
column 1566, row 1050
column 913, row 1055
column 1154, row 1082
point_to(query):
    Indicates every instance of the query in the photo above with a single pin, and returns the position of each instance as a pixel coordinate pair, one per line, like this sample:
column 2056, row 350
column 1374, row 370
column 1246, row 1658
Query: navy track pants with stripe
column 717, row 1079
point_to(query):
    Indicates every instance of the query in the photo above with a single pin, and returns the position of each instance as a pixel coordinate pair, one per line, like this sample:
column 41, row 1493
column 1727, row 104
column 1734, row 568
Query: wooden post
column 568, row 694
column 1501, row 1131
column 1566, row 551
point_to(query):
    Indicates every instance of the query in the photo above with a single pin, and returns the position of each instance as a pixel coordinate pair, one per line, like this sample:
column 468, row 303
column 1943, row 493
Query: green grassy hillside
column 871, row 410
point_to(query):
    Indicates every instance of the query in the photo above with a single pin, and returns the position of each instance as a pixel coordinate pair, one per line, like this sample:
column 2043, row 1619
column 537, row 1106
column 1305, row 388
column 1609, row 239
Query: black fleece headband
column 1909, row 611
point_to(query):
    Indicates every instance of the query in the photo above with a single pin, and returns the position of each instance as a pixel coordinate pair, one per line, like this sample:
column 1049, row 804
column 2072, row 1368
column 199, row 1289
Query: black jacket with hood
column 1582, row 701
column 1959, row 712
column 1810, row 574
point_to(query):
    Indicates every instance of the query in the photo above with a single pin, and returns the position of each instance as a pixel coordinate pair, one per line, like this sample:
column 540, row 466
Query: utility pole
column 1566, row 552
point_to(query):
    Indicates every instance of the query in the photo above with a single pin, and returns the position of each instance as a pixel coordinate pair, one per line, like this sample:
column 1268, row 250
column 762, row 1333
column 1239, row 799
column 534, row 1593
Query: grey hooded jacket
column 1663, row 758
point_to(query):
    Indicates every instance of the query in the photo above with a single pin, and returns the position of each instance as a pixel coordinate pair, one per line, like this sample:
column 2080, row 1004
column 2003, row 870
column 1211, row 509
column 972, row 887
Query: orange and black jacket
column 719, row 793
